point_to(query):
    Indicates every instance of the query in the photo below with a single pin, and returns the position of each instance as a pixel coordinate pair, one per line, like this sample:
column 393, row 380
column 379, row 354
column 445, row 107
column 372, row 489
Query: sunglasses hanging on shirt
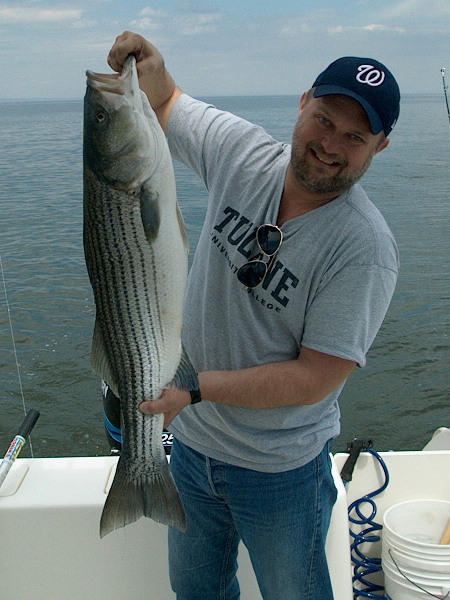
column 253, row 272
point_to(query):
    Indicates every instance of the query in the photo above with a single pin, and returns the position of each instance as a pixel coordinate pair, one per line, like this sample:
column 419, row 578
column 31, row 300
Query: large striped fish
column 136, row 255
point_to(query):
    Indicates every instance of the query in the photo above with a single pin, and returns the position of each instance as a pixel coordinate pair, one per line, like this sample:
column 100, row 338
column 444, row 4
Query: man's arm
column 154, row 79
column 306, row 380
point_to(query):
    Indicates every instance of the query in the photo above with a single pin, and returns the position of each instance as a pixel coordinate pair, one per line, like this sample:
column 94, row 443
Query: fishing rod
column 444, row 83
column 16, row 445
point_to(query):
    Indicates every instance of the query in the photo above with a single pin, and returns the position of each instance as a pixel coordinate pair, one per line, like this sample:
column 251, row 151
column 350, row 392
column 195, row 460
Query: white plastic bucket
column 415, row 565
column 400, row 586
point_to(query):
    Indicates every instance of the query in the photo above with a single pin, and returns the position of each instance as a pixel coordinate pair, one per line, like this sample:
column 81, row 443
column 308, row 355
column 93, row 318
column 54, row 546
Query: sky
column 221, row 48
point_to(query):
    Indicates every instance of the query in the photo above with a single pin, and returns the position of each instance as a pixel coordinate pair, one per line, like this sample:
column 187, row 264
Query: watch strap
column 195, row 396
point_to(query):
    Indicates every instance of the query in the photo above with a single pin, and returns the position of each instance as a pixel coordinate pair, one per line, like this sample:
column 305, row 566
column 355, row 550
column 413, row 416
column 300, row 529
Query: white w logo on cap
column 369, row 75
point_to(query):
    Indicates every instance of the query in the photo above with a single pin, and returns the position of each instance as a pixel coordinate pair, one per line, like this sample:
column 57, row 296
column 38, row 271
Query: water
column 399, row 399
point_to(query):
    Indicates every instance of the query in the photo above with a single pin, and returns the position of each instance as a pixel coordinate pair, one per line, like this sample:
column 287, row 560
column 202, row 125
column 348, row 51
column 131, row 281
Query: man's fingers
column 155, row 407
column 127, row 43
column 152, row 407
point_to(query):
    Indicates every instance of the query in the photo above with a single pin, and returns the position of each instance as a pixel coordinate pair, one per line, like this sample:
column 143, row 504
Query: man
column 292, row 277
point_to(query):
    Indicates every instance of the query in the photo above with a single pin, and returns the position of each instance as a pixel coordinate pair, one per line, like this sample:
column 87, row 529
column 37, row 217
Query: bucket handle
column 412, row 582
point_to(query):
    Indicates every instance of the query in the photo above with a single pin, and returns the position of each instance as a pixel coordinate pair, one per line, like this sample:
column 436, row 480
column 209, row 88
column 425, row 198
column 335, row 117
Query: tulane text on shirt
column 238, row 234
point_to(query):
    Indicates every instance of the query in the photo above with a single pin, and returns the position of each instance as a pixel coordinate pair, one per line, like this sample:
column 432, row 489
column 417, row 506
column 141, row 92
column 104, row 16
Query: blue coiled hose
column 364, row 566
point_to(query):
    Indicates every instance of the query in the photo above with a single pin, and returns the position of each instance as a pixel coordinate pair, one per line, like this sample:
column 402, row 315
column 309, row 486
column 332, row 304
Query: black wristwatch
column 195, row 396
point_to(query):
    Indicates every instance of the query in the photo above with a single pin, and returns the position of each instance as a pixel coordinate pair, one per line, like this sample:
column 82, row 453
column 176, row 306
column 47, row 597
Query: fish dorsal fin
column 186, row 376
column 150, row 214
column 99, row 360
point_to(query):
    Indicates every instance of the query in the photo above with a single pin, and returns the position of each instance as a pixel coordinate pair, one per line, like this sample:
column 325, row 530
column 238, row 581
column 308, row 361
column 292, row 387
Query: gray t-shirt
column 329, row 288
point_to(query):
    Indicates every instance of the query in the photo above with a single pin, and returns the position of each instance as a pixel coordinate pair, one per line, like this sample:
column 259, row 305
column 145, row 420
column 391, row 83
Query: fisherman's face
column 332, row 144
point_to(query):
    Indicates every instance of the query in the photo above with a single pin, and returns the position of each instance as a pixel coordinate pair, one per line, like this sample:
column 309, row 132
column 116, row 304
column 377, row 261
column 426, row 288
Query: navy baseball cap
column 369, row 82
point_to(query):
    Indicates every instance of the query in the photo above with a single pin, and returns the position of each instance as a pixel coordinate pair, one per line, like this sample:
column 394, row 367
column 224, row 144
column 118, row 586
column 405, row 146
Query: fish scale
column 127, row 329
column 136, row 256
column 125, row 304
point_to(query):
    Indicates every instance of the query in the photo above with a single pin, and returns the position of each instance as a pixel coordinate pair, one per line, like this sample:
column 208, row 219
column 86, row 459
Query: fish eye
column 99, row 114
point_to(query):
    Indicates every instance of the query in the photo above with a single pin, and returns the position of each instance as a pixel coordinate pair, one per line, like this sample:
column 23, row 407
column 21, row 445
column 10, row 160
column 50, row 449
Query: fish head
column 122, row 136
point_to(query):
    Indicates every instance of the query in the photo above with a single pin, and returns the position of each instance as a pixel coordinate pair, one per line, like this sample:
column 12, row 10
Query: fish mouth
column 114, row 83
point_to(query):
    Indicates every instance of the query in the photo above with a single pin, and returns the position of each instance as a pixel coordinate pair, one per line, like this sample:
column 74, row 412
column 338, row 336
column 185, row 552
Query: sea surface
column 398, row 399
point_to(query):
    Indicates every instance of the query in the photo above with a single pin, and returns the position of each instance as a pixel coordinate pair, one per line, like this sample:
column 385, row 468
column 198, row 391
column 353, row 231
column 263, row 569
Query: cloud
column 168, row 29
column 373, row 27
column 38, row 15
column 378, row 27
column 145, row 23
column 186, row 23
column 147, row 11
column 418, row 9
column 306, row 23
column 85, row 24
column 197, row 23
column 148, row 19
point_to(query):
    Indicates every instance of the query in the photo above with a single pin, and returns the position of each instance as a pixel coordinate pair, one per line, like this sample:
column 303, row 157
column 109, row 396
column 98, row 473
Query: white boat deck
column 51, row 549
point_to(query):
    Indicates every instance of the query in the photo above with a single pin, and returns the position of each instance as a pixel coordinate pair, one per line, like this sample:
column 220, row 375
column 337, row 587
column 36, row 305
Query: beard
column 318, row 181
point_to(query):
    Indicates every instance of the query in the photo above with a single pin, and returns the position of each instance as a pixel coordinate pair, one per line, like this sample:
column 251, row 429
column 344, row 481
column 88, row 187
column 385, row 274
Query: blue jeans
column 282, row 518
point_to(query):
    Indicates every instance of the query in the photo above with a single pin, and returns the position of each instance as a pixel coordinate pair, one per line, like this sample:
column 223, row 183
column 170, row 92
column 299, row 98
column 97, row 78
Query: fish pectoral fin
column 186, row 377
column 99, row 360
column 150, row 214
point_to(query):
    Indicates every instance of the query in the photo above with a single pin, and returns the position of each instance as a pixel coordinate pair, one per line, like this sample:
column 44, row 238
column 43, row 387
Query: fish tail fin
column 155, row 496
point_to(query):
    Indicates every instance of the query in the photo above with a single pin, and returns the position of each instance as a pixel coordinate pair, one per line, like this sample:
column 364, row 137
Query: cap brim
column 376, row 125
